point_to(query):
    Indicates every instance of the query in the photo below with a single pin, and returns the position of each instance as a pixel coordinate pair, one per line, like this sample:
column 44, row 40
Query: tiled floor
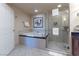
column 57, row 47
column 23, row 51
column 54, row 49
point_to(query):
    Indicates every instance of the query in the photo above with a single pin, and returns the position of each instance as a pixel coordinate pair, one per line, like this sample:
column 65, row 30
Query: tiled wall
column 43, row 29
column 60, row 37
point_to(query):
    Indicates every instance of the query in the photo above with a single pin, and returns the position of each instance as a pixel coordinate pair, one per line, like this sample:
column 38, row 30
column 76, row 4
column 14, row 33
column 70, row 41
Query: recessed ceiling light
column 59, row 5
column 35, row 10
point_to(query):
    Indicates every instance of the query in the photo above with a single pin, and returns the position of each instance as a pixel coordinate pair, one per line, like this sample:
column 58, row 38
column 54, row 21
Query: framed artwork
column 38, row 22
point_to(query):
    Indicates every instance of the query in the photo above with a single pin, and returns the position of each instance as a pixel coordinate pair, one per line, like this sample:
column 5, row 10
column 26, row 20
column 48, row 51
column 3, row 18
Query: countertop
column 75, row 33
column 35, row 35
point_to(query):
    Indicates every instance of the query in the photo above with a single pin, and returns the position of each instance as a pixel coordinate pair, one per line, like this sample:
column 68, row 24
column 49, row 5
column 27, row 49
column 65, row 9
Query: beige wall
column 74, row 19
column 20, row 18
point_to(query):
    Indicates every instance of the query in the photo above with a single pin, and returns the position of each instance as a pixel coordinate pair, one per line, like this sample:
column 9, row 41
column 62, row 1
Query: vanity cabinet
column 75, row 44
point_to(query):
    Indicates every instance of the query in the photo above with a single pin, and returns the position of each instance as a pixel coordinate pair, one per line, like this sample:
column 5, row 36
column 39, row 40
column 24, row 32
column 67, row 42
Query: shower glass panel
column 58, row 40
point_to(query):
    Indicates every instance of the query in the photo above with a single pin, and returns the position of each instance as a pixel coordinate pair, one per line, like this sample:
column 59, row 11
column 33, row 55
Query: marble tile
column 57, row 47
column 24, row 51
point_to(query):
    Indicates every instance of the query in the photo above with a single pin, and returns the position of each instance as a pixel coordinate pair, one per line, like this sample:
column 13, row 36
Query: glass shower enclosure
column 58, row 32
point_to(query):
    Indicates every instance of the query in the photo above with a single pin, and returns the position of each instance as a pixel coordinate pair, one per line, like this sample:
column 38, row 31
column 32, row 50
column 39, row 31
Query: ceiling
column 41, row 7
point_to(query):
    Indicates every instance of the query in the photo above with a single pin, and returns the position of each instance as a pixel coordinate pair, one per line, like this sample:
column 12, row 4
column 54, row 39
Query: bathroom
column 46, row 26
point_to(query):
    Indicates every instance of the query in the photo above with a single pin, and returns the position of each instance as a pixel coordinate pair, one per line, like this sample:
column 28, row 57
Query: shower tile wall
column 44, row 29
column 63, row 35
column 39, row 29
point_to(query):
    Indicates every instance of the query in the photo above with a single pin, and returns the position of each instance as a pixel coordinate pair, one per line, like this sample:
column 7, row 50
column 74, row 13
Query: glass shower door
column 58, row 41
